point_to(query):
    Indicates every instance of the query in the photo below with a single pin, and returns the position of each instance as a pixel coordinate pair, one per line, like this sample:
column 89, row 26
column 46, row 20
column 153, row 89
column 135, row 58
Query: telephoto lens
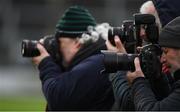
column 29, row 48
column 114, row 61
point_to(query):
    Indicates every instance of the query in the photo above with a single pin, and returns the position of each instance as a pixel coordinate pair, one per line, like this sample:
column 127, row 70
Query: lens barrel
column 29, row 48
column 118, row 61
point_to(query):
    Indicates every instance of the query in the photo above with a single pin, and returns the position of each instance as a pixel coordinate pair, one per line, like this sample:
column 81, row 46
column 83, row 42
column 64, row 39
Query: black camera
column 149, row 55
column 149, row 60
column 126, row 33
column 129, row 32
column 29, row 47
column 150, row 27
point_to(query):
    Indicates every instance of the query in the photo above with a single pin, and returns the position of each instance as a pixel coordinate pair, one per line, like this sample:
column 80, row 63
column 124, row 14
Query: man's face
column 68, row 48
column 143, row 35
column 171, row 57
column 142, row 32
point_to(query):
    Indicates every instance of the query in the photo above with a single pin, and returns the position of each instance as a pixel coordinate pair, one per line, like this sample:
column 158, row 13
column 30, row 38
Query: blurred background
column 20, row 88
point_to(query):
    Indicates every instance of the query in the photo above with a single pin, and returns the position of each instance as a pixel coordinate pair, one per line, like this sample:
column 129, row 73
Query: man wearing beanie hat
column 119, row 81
column 144, row 98
column 79, row 83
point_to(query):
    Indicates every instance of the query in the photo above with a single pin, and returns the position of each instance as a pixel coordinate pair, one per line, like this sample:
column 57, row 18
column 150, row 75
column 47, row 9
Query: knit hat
column 170, row 35
column 74, row 22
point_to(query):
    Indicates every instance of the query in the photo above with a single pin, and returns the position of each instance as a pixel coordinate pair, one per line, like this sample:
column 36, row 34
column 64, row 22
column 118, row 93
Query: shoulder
column 97, row 58
column 94, row 62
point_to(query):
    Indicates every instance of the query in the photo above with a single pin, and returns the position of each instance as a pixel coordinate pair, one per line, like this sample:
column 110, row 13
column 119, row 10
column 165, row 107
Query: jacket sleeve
column 145, row 100
column 68, row 89
column 121, row 91
column 160, row 86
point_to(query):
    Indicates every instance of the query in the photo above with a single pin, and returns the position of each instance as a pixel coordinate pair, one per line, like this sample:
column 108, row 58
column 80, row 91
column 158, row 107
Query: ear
column 77, row 44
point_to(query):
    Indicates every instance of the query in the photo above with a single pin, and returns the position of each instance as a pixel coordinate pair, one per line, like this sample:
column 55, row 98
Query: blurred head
column 149, row 8
column 169, row 40
column 68, row 47
column 69, row 29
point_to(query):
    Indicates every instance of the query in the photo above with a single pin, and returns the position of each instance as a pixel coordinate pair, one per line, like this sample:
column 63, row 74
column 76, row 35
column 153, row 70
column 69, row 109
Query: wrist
column 43, row 61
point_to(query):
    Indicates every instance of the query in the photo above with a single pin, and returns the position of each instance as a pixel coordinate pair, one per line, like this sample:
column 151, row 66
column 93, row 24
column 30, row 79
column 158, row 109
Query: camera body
column 29, row 47
column 150, row 27
column 149, row 60
column 126, row 33
column 129, row 32
column 149, row 55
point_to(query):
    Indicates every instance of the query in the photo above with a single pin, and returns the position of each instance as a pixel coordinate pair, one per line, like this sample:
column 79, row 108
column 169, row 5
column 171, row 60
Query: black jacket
column 167, row 10
column 144, row 98
column 82, row 86
column 122, row 90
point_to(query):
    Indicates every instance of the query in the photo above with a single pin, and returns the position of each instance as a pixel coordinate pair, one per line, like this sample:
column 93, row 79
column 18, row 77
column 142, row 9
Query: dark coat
column 144, row 98
column 82, row 87
column 122, row 90
column 167, row 10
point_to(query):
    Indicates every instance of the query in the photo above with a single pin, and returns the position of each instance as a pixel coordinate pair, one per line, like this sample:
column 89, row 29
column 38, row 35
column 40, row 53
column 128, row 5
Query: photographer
column 142, row 94
column 81, row 85
column 148, row 7
column 121, row 87
column 120, row 84
column 167, row 11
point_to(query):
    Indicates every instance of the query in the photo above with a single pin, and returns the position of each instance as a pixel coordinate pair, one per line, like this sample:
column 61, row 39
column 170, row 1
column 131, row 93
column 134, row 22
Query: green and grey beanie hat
column 74, row 22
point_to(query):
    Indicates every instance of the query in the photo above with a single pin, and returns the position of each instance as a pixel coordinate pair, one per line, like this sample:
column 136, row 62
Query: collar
column 86, row 51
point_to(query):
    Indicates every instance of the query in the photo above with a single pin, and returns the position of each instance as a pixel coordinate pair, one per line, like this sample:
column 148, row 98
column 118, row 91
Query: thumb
column 137, row 64
column 41, row 49
column 119, row 44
